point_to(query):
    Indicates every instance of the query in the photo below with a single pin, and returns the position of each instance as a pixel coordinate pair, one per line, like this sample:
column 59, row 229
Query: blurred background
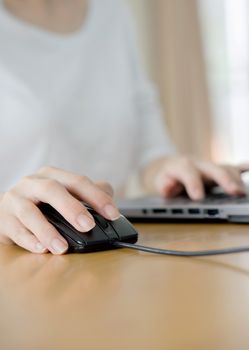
column 197, row 53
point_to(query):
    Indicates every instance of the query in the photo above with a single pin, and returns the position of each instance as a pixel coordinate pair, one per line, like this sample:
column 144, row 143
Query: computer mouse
column 99, row 238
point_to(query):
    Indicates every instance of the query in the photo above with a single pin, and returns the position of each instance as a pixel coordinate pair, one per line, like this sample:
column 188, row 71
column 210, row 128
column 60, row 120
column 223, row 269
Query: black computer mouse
column 99, row 238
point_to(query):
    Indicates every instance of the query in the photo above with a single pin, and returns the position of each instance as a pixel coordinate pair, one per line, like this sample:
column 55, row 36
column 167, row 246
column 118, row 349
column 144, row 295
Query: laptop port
column 177, row 211
column 159, row 211
column 145, row 211
column 194, row 211
column 212, row 212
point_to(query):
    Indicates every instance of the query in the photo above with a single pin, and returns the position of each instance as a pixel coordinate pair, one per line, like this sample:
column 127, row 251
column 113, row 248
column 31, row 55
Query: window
column 225, row 26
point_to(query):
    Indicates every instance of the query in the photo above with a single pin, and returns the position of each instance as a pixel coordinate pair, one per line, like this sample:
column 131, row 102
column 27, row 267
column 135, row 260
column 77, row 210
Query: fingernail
column 59, row 246
column 85, row 222
column 111, row 212
column 39, row 248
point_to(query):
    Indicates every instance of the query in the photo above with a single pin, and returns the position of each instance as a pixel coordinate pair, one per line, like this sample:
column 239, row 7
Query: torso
column 68, row 101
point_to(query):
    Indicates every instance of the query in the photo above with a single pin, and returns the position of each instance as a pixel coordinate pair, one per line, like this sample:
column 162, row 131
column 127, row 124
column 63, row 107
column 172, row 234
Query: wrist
column 151, row 172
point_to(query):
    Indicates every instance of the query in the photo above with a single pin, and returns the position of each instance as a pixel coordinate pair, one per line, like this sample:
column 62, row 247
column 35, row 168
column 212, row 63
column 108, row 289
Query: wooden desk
column 125, row 299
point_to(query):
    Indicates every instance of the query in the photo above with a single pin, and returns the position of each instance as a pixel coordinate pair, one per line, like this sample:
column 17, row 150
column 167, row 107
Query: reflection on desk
column 126, row 299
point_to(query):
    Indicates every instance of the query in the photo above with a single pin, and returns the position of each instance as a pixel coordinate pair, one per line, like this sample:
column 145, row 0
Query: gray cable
column 181, row 253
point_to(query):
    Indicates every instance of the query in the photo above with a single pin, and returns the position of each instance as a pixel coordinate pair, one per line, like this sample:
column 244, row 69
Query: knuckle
column 103, row 200
column 186, row 161
column 18, row 235
column 84, row 179
column 76, row 207
column 80, row 180
column 10, row 196
column 26, row 208
column 48, row 185
column 107, row 188
column 25, row 180
column 46, row 169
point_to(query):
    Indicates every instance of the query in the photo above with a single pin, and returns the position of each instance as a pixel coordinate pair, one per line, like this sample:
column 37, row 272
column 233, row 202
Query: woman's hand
column 170, row 176
column 22, row 222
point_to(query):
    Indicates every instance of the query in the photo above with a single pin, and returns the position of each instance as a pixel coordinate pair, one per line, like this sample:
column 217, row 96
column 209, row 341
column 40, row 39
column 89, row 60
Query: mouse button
column 102, row 222
column 95, row 236
column 124, row 228
column 106, row 226
column 90, row 209
column 73, row 243
column 70, row 232
column 111, row 232
column 67, row 231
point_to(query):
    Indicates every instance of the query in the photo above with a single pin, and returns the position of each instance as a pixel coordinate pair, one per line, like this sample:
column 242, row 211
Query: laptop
column 216, row 206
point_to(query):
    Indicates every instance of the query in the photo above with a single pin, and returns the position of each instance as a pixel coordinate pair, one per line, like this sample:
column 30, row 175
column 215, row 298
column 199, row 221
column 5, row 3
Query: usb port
column 194, row 211
column 159, row 211
column 177, row 211
column 212, row 212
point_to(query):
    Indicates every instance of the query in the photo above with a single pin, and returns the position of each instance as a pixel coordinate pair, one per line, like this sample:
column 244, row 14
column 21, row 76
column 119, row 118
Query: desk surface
column 125, row 299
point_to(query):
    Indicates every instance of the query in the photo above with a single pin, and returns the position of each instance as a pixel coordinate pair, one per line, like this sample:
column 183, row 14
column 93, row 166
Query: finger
column 32, row 218
column 239, row 186
column 193, row 184
column 52, row 192
column 236, row 175
column 5, row 239
column 21, row 236
column 84, row 188
column 243, row 167
column 169, row 187
column 224, row 177
column 105, row 187
column 190, row 177
column 175, row 190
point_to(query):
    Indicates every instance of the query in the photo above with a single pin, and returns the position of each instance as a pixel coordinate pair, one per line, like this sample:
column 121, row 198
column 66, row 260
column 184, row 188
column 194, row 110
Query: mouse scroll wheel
column 101, row 221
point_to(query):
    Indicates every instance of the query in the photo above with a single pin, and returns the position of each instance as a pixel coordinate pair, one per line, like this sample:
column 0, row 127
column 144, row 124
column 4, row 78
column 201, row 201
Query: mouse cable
column 181, row 253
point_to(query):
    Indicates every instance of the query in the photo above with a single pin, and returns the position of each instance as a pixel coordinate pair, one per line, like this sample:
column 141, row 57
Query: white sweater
column 77, row 101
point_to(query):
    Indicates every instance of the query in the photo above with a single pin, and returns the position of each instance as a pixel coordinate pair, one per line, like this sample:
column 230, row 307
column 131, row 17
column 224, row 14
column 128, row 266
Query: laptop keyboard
column 222, row 198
